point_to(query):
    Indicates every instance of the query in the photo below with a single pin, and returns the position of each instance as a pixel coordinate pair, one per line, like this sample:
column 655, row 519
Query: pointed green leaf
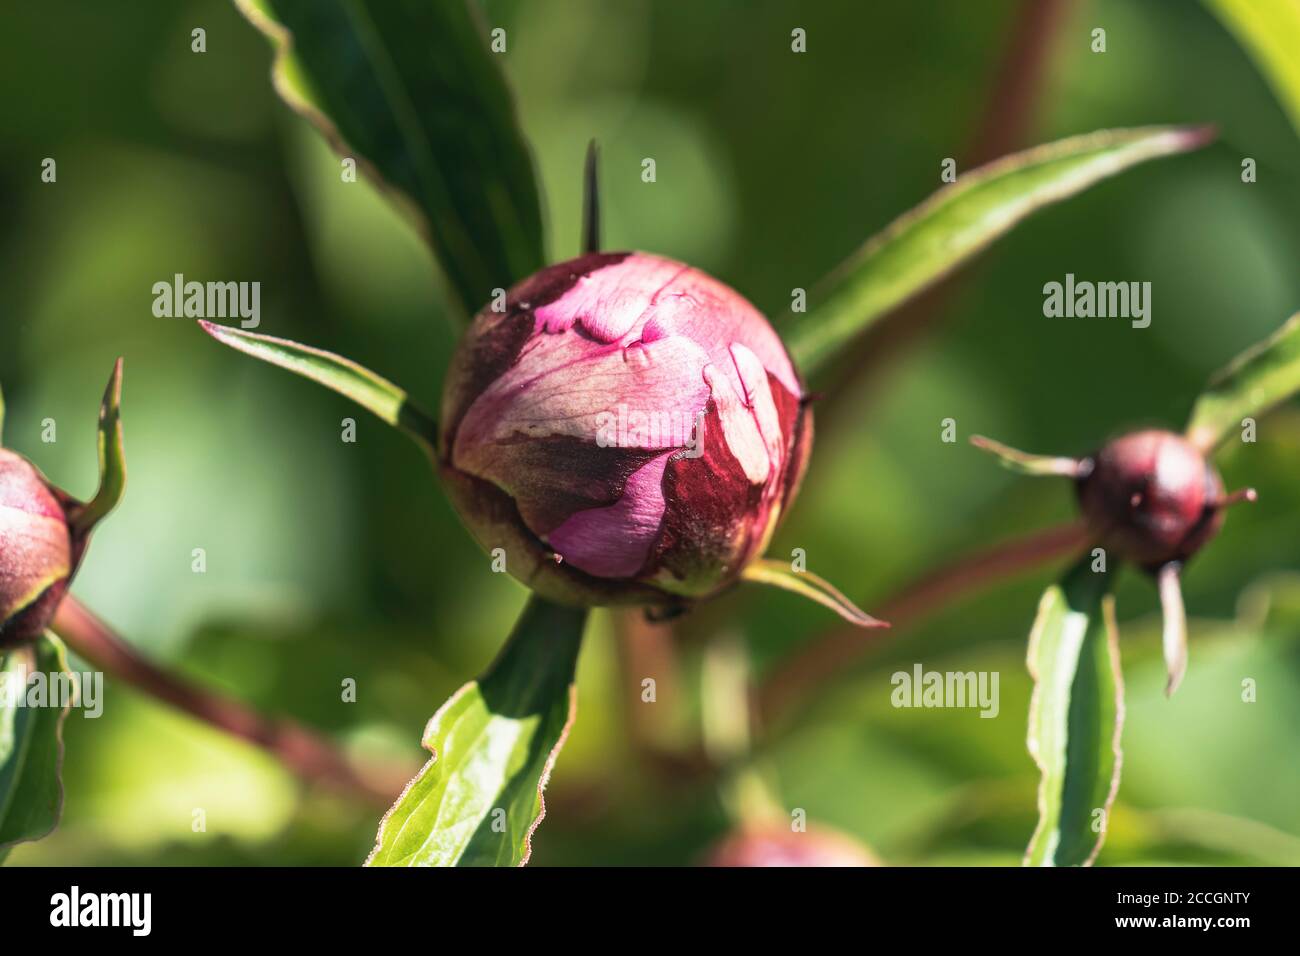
column 112, row 459
column 1270, row 32
column 494, row 743
column 1259, row 378
column 412, row 93
column 950, row 227
column 1075, row 717
column 1027, row 464
column 780, row 574
column 372, row 392
column 31, row 743
column 1173, row 640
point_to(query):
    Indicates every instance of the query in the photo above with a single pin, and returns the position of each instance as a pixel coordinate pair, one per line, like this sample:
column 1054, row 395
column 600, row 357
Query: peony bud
column 44, row 531
column 1152, row 497
column 627, row 428
column 777, row 845
column 36, row 550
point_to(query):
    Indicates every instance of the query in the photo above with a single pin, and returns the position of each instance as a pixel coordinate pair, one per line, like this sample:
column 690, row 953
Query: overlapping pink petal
column 586, row 347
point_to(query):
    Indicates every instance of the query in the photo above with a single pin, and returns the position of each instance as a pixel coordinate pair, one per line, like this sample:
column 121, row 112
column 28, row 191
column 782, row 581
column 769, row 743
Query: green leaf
column 780, row 574
column 494, row 743
column 409, row 89
column 1255, row 381
column 1075, row 717
column 1270, row 32
column 112, row 459
column 31, row 744
column 372, row 392
column 950, row 227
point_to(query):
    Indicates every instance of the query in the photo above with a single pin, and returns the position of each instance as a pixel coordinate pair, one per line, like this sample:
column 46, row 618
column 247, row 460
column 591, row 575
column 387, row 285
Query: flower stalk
column 301, row 750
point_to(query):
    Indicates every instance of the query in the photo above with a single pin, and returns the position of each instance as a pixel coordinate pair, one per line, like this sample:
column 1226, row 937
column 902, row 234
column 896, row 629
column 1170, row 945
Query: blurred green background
column 328, row 560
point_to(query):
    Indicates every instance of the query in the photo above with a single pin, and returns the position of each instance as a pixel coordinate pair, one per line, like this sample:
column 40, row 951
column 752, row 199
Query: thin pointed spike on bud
column 591, row 199
column 112, row 461
column 1238, row 496
column 1174, row 639
column 2, row 415
column 1028, row 464
column 809, row 585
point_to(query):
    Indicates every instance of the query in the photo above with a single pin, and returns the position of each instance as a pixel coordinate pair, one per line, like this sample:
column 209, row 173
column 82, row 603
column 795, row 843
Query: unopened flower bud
column 1152, row 497
column 44, row 531
column 37, row 553
column 627, row 428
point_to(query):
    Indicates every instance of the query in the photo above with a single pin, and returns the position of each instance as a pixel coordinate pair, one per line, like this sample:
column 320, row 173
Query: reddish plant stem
column 648, row 649
column 1002, row 128
column 1009, row 109
column 303, row 751
column 830, row 655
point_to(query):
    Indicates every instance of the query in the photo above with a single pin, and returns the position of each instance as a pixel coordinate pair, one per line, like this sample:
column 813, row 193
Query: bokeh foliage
column 328, row 560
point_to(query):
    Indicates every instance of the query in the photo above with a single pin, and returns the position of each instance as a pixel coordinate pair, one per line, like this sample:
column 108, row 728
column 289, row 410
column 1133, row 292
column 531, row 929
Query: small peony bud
column 1152, row 497
column 44, row 531
column 629, row 429
column 37, row 553
column 778, row 845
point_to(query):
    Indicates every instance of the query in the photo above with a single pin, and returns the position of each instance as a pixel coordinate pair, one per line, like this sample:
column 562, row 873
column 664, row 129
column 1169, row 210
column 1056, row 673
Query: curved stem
column 824, row 658
column 303, row 751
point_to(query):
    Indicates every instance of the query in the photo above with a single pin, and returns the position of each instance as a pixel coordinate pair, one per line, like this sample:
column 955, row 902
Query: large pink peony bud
column 626, row 428
column 37, row 551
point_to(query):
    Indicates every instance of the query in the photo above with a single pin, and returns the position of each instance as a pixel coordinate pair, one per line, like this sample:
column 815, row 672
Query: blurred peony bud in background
column 627, row 428
column 778, row 845
column 44, row 531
